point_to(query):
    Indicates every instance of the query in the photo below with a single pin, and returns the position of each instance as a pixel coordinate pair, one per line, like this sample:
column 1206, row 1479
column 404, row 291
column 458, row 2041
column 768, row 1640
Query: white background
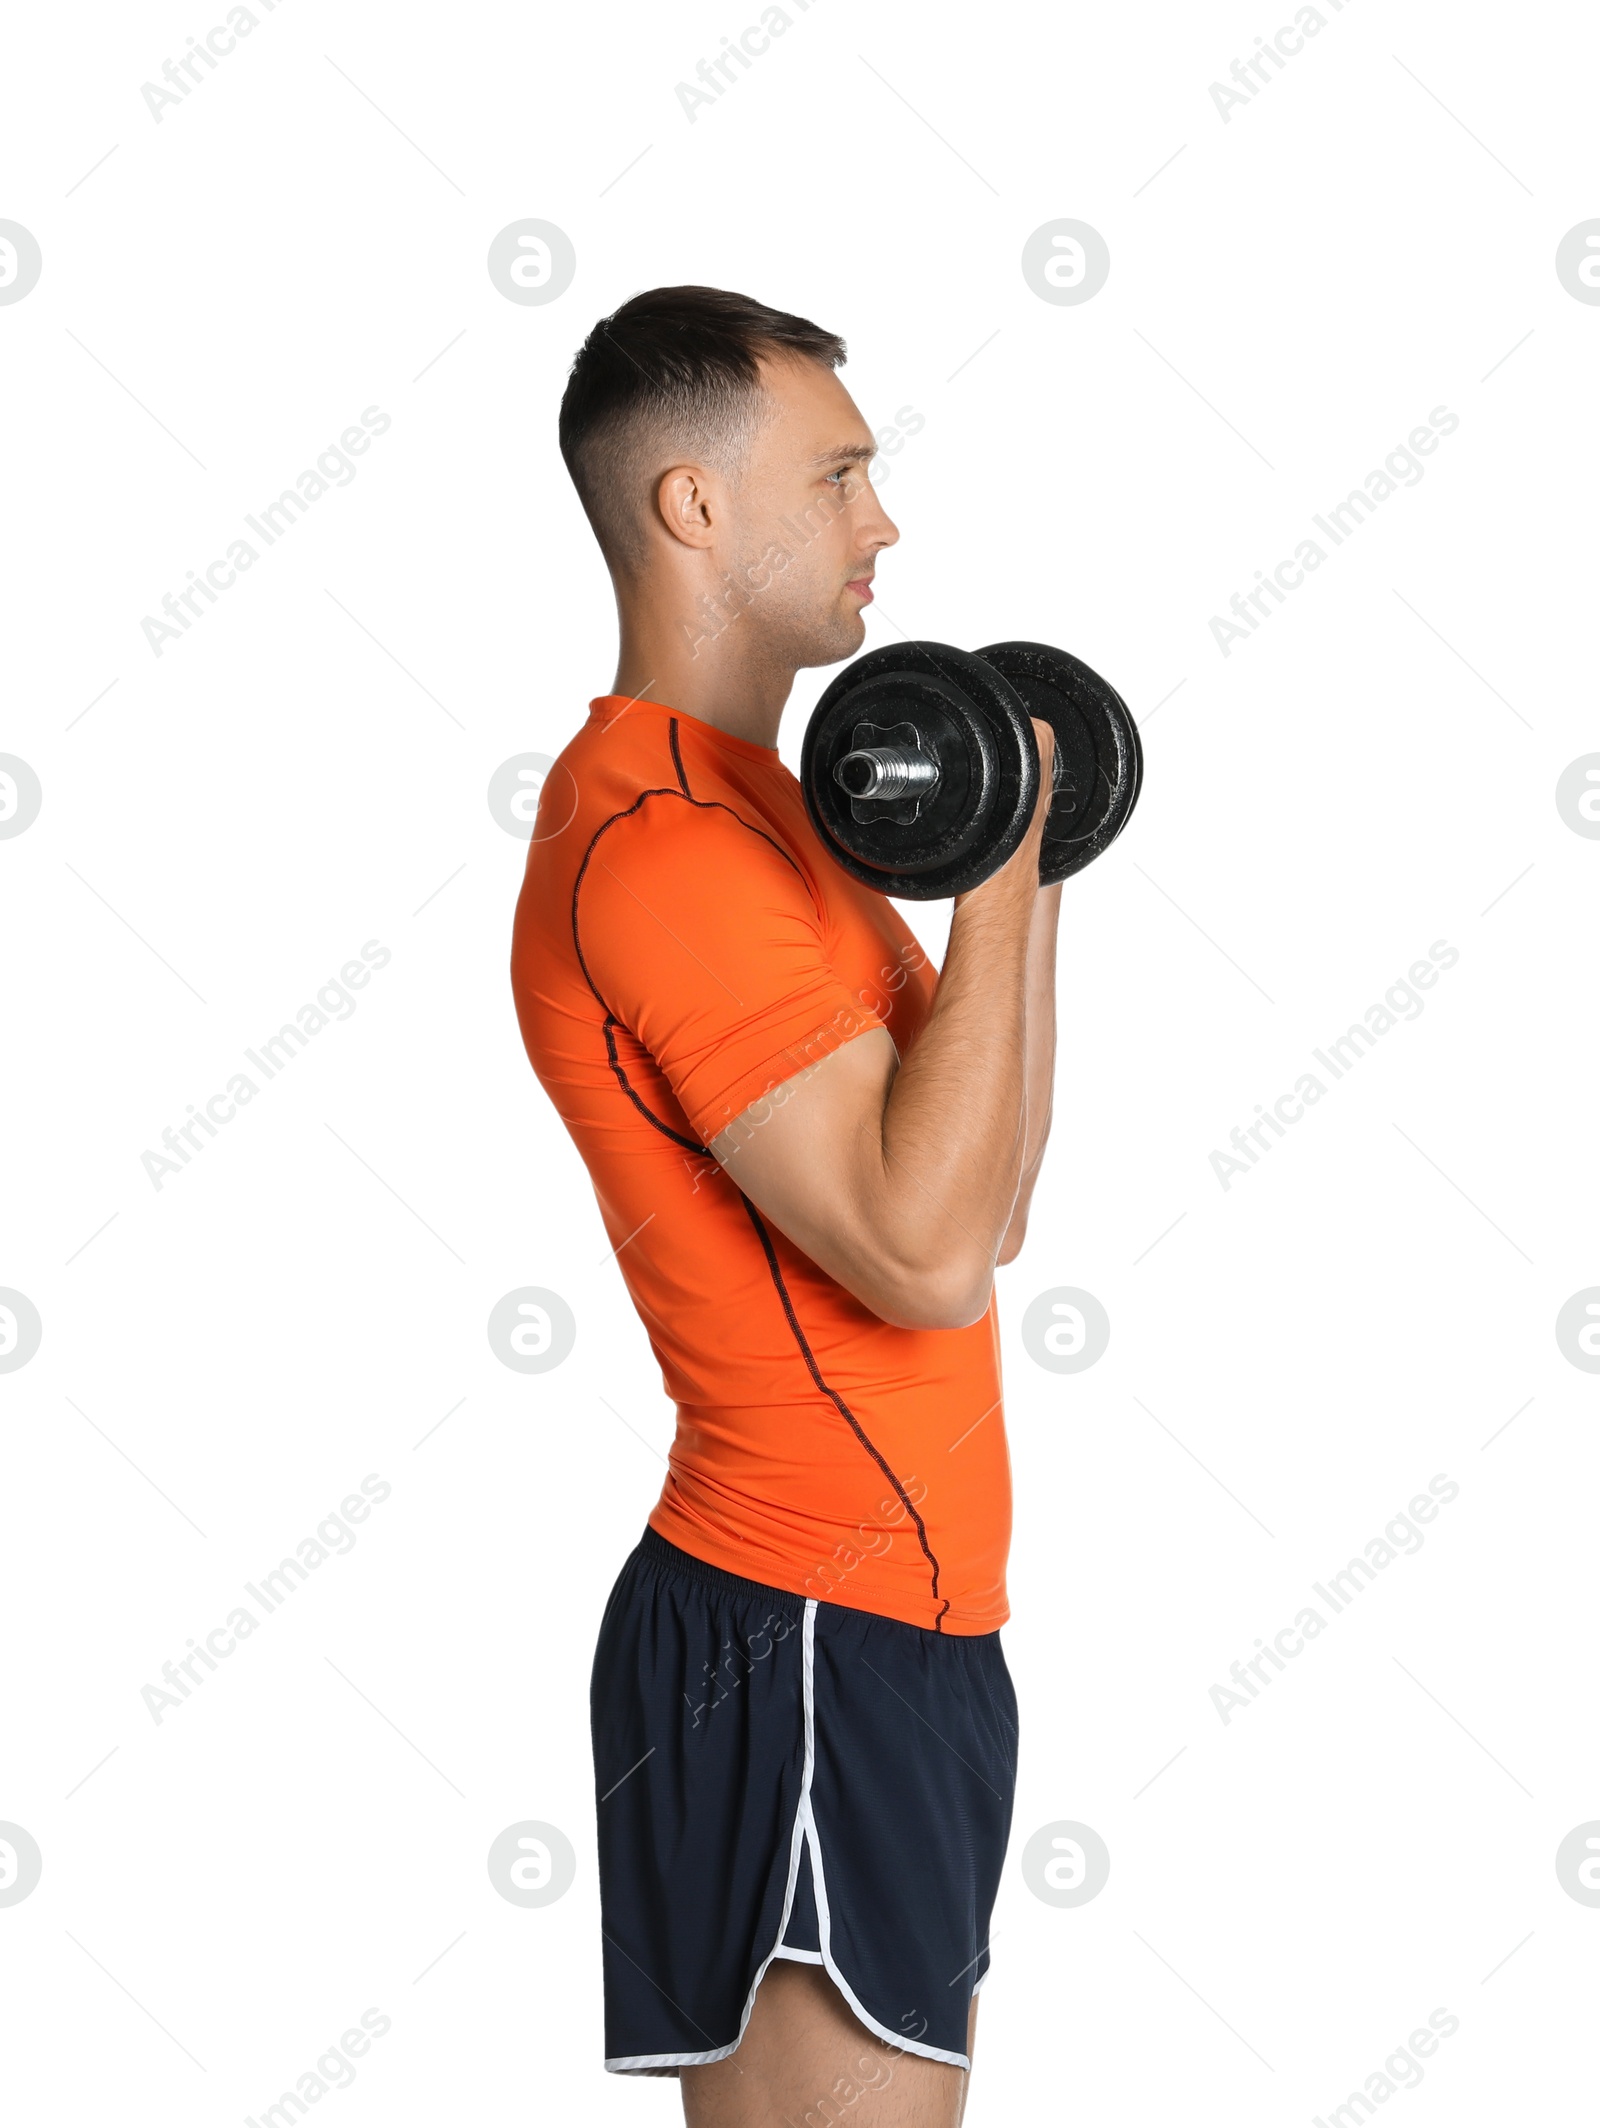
column 1370, row 237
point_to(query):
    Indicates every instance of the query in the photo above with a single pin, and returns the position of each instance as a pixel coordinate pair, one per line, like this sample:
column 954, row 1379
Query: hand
column 1019, row 875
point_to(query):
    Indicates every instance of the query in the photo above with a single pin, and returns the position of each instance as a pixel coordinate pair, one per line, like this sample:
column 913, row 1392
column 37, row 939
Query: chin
column 841, row 640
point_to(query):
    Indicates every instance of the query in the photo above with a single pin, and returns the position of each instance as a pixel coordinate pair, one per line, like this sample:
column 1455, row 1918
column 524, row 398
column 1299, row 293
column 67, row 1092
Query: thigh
column 806, row 2057
column 972, row 2045
column 910, row 1811
column 698, row 1728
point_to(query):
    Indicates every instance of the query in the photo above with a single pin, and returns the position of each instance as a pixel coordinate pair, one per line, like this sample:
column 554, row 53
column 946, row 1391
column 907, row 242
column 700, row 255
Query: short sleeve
column 700, row 934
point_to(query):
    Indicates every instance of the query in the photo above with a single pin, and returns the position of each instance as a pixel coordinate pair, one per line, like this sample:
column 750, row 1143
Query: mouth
column 862, row 587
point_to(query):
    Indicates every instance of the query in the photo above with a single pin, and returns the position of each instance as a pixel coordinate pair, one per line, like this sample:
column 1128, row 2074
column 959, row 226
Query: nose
column 881, row 529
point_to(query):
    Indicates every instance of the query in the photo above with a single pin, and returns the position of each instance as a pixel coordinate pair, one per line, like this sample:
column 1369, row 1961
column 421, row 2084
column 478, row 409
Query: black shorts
column 777, row 1777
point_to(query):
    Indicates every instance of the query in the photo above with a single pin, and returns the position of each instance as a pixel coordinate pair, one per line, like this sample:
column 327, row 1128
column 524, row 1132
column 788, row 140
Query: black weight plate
column 1138, row 772
column 977, row 814
column 1097, row 746
column 951, row 816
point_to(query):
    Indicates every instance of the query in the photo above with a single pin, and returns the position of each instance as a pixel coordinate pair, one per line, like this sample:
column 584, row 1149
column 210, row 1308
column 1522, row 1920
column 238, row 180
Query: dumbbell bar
column 920, row 768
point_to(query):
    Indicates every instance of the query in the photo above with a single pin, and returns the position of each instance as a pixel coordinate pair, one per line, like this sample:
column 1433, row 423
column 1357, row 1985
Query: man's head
column 722, row 466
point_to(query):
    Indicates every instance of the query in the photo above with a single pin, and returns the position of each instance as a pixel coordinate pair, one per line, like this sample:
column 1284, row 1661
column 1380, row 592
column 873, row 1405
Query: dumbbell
column 921, row 771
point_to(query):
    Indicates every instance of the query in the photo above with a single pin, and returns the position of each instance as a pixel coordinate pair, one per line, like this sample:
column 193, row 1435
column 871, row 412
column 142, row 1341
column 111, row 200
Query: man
column 809, row 1157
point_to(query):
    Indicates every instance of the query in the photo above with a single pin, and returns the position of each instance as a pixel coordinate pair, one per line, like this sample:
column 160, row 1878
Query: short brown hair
column 673, row 370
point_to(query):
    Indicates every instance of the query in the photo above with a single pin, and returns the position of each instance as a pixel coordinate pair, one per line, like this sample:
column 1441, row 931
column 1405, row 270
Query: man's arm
column 1040, row 1069
column 900, row 1180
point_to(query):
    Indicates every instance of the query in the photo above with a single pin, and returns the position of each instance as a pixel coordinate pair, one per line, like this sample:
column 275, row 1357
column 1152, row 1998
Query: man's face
column 805, row 528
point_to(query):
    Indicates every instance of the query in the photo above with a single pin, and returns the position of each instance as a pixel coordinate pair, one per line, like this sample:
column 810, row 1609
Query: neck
column 728, row 679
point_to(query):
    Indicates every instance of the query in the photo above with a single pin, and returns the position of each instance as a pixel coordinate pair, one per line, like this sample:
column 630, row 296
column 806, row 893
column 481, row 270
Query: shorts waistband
column 655, row 1548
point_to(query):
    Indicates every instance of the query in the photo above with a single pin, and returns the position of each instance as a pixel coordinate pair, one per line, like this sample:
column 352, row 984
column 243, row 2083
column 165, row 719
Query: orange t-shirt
column 683, row 946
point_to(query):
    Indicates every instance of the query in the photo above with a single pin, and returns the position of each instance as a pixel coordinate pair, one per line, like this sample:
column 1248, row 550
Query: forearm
column 953, row 1134
column 1040, row 1065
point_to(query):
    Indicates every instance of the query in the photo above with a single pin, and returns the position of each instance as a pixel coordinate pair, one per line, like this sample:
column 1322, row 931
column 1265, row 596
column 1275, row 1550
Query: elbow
column 946, row 1297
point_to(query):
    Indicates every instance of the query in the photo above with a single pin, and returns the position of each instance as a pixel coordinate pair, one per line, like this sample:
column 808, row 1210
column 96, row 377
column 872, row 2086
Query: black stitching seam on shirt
column 694, row 1145
column 844, row 1409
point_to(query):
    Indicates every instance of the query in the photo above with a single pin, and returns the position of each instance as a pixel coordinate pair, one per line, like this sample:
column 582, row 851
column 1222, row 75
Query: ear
column 688, row 498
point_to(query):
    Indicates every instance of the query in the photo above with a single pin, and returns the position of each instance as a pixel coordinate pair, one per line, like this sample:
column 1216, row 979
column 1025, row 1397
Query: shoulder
column 677, row 841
